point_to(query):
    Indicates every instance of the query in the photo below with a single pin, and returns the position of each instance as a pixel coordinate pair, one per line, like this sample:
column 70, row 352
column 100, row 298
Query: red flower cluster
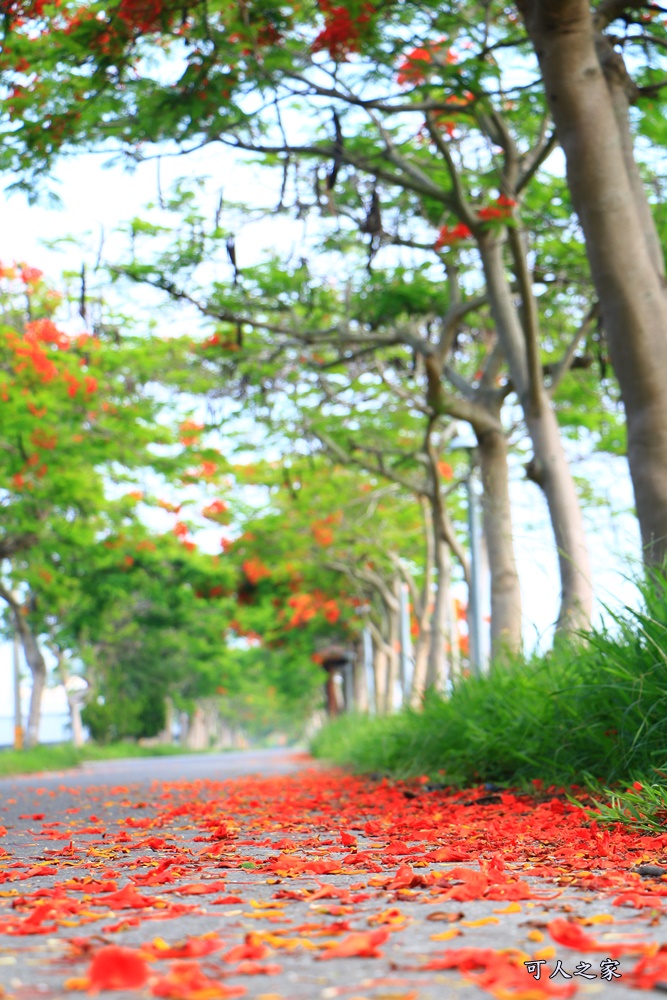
column 142, row 15
column 217, row 511
column 501, row 209
column 307, row 606
column 448, row 236
column 322, row 532
column 255, row 570
column 342, row 33
column 415, row 67
column 46, row 332
column 189, row 432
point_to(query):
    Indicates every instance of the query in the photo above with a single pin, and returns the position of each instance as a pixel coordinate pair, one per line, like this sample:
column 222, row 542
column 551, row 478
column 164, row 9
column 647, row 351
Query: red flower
column 217, row 511
column 187, row 436
column 413, row 69
column 490, row 212
column 142, row 15
column 29, row 275
column 448, row 237
column 115, row 968
column 342, row 33
column 41, row 439
column 255, row 570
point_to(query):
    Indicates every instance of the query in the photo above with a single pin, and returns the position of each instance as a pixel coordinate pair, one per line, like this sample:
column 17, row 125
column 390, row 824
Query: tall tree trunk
column 612, row 210
column 360, row 683
column 438, row 661
column 36, row 664
column 550, row 468
column 420, row 674
column 393, row 654
column 380, row 670
column 74, row 698
column 497, row 517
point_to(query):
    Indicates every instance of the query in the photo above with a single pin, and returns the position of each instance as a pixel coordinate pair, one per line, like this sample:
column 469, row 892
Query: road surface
column 260, row 874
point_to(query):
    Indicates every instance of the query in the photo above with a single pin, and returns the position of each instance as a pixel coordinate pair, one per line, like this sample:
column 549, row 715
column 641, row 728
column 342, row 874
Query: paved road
column 282, row 864
column 143, row 771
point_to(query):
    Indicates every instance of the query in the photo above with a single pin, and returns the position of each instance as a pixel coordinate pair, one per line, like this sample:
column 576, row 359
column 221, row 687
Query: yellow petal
column 510, row 908
column 446, row 935
column 546, row 953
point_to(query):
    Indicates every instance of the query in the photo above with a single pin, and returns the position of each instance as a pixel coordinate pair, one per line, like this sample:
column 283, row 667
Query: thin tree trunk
column 393, row 655
column 360, row 684
column 74, row 698
column 420, row 674
column 438, row 672
column 612, row 211
column 453, row 637
column 36, row 665
column 497, row 517
column 35, row 661
column 550, row 468
column 380, row 669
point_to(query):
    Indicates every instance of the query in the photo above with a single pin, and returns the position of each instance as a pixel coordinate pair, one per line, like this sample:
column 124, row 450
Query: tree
column 590, row 91
column 333, row 541
column 382, row 113
column 79, row 418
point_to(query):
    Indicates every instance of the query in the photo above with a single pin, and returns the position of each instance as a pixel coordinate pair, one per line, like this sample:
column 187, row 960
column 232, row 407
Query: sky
column 96, row 198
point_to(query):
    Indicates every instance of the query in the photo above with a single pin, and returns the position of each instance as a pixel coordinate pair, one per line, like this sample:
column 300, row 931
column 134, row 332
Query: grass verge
column 61, row 756
column 592, row 714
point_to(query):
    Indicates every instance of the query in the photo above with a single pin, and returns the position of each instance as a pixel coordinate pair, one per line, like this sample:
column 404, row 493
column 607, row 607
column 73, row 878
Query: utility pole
column 18, row 719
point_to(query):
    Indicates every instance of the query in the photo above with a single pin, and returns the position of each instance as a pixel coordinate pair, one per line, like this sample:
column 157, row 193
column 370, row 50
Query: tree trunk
column 497, row 518
column 74, row 704
column 380, row 670
column 612, row 211
column 550, row 468
column 359, row 681
column 36, row 664
column 330, row 695
column 438, row 673
column 393, row 656
column 420, row 674
column 453, row 638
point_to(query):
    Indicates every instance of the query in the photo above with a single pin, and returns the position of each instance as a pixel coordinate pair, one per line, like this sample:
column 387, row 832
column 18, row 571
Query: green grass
column 61, row 756
column 591, row 713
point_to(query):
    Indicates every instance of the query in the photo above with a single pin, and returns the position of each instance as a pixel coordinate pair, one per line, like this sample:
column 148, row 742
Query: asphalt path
column 143, row 771
column 75, row 834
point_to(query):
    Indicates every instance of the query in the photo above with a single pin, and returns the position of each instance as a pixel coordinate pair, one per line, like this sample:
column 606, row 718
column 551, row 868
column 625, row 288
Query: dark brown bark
column 613, row 213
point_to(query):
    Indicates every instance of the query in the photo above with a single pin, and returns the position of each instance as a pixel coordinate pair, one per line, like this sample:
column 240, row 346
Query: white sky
column 96, row 199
